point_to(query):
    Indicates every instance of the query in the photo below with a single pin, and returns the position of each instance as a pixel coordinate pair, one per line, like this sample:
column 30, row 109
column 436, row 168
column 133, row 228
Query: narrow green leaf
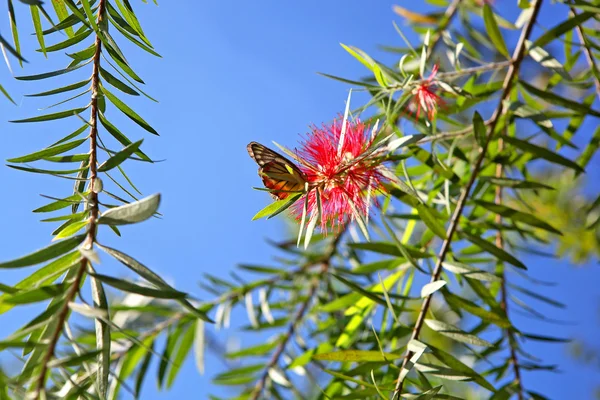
column 71, row 229
column 499, row 253
column 479, row 129
column 35, row 295
column 185, row 345
column 561, row 28
column 470, row 272
column 430, row 220
column 137, row 289
column 61, row 12
column 553, row 98
column 116, row 82
column 46, row 75
column 491, row 26
column 357, row 356
column 69, row 42
column 514, row 183
column 116, row 133
column 516, row 215
column 460, row 367
column 151, row 277
column 542, row 152
column 50, row 117
column 277, row 207
column 37, row 24
column 47, row 152
column 128, row 111
column 454, row 333
column 15, row 31
column 119, row 157
column 45, row 254
column 63, row 89
column 103, row 336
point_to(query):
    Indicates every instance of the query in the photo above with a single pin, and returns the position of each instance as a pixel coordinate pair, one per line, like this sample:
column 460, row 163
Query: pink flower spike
column 343, row 178
column 425, row 97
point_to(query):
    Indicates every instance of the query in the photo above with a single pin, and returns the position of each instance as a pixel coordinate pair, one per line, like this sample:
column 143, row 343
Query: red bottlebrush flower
column 343, row 169
column 425, row 97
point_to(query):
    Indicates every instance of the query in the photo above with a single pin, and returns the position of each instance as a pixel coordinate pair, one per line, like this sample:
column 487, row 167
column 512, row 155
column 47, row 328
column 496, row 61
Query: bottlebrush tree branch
column 508, row 84
column 93, row 206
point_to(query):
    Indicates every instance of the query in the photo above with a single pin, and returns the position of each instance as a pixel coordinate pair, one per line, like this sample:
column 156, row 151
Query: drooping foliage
column 414, row 301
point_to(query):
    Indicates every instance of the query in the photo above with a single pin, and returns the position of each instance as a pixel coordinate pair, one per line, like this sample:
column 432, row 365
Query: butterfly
column 279, row 175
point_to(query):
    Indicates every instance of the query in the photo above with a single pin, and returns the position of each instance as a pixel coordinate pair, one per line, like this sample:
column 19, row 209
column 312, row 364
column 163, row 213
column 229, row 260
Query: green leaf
column 38, row 294
column 128, row 111
column 479, row 129
column 47, row 152
column 185, row 344
column 460, row 367
column 542, row 152
column 62, row 203
column 151, row 277
column 472, row 308
column 546, row 60
column 15, row 31
column 561, row 28
column 454, row 333
column 357, row 356
column 116, row 82
column 277, row 207
column 137, row 289
column 103, row 340
column 63, row 89
column 71, row 229
column 119, row 157
column 45, row 254
column 131, row 213
column 50, row 117
column 257, row 350
column 499, row 253
column 517, row 215
column 491, row 26
column 48, row 74
column 432, row 287
column 116, row 133
column 69, row 42
column 430, row 220
column 470, row 272
column 553, row 98
column 72, row 361
column 514, row 183
column 61, row 12
column 37, row 24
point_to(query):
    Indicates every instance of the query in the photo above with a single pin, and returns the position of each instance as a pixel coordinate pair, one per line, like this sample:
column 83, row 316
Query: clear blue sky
column 234, row 72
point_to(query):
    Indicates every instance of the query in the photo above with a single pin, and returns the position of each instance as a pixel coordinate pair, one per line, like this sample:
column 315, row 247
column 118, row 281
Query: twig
column 503, row 293
column 296, row 319
column 508, row 84
column 446, row 20
column 588, row 54
column 94, row 210
column 450, row 135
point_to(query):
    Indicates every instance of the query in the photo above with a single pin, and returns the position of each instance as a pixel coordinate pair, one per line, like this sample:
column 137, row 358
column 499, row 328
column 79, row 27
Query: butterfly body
column 280, row 175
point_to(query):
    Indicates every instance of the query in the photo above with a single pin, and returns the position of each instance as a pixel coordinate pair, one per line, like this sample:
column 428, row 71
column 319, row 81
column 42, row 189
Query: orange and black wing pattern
column 279, row 175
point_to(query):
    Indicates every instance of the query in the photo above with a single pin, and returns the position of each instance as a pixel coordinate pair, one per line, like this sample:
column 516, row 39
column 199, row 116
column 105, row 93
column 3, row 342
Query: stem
column 61, row 318
column 94, row 211
column 503, row 292
column 445, row 22
column 508, row 84
column 297, row 318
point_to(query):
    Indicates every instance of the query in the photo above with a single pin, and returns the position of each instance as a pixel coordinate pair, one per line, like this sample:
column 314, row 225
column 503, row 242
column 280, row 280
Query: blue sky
column 233, row 72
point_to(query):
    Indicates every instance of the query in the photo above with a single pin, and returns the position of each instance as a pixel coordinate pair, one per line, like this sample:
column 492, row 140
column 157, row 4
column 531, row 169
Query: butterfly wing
column 277, row 172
